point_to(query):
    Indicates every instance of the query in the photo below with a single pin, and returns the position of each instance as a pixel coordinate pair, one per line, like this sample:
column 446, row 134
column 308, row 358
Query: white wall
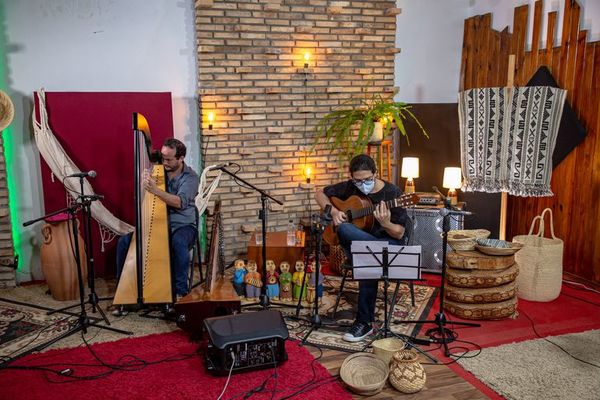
column 430, row 35
column 93, row 45
column 503, row 13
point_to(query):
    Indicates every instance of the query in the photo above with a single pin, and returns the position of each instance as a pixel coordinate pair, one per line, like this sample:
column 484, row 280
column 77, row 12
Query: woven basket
column 385, row 349
column 540, row 262
column 406, row 374
column 337, row 258
column 466, row 239
column 7, row 110
column 364, row 373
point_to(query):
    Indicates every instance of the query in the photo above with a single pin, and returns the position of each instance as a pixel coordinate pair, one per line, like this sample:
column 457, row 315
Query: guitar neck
column 363, row 212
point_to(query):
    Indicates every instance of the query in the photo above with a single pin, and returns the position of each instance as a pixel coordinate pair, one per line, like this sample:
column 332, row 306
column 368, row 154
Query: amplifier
column 249, row 341
column 429, row 198
column 427, row 232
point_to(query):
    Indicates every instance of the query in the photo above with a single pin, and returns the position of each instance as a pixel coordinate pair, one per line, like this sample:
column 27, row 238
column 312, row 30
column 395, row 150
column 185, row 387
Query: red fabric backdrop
column 95, row 130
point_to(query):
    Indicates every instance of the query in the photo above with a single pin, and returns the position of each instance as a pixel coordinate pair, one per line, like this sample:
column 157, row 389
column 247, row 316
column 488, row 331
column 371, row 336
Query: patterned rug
column 25, row 327
column 331, row 332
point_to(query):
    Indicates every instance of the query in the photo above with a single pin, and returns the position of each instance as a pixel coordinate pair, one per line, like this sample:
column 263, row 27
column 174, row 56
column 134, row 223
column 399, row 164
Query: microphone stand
column 317, row 228
column 264, row 301
column 441, row 334
column 83, row 321
column 84, row 202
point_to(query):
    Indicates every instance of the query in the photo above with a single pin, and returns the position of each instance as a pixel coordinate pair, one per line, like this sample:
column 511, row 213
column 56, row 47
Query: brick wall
column 252, row 75
column 7, row 272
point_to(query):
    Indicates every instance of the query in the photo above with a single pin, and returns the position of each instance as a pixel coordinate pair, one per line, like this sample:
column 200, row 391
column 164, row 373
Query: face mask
column 366, row 187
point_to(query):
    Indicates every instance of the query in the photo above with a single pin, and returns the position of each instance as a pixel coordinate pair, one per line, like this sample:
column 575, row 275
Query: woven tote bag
column 540, row 262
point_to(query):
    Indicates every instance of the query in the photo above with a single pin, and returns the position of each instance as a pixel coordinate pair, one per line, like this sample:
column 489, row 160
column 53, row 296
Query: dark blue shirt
column 184, row 185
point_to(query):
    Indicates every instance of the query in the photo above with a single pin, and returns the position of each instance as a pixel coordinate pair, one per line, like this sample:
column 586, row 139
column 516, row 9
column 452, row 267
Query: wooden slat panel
column 519, row 39
column 550, row 37
column 572, row 51
column 575, row 65
column 465, row 57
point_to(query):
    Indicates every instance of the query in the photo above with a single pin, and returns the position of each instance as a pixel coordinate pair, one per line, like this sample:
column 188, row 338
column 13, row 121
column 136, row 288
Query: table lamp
column 452, row 181
column 410, row 170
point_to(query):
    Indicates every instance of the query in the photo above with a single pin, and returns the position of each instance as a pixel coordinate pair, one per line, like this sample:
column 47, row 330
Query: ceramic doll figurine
column 285, row 282
column 272, row 280
column 239, row 272
column 315, row 282
column 253, row 281
column 297, row 280
column 310, row 284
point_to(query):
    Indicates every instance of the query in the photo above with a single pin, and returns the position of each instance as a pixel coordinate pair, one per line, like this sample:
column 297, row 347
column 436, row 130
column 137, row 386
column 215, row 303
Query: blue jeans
column 367, row 289
column 182, row 240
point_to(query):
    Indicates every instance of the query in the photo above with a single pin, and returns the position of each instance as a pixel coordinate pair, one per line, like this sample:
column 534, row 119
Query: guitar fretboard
column 363, row 212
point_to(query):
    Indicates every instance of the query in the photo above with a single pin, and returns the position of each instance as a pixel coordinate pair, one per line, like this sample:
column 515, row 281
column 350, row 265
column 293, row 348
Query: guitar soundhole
column 349, row 215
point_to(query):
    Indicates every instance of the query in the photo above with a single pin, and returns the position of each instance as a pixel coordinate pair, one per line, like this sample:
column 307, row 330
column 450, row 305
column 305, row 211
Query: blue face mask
column 365, row 187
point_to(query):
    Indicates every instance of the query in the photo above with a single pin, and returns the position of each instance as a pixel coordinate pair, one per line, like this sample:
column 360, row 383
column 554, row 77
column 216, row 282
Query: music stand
column 371, row 260
column 440, row 334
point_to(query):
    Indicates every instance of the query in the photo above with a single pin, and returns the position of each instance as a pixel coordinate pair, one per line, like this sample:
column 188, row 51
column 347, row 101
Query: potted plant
column 350, row 128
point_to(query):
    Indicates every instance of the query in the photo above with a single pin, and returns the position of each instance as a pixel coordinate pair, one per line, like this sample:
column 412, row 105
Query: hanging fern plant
column 348, row 130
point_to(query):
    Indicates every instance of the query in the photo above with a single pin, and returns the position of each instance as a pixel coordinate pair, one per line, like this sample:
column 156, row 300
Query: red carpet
column 183, row 379
column 575, row 310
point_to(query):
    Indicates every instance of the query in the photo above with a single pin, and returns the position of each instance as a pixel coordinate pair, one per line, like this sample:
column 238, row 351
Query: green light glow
column 9, row 146
column 13, row 198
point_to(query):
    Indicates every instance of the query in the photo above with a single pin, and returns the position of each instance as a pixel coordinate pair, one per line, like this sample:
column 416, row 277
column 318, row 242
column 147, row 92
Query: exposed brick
column 250, row 65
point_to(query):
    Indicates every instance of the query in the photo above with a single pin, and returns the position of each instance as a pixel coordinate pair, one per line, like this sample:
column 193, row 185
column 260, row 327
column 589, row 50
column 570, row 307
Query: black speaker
column 245, row 342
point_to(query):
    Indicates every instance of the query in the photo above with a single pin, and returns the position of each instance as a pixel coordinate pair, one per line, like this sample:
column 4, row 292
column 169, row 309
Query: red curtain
column 95, row 130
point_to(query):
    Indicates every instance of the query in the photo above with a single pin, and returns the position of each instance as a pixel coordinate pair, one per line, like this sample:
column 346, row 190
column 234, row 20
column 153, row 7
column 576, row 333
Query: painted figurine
column 253, row 281
column 239, row 272
column 298, row 280
column 313, row 282
column 272, row 280
column 285, row 282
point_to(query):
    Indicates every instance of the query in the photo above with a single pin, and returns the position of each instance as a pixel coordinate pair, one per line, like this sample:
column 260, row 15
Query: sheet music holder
column 367, row 258
column 382, row 261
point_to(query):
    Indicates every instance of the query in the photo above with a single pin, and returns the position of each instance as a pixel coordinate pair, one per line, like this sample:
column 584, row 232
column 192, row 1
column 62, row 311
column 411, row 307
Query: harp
column 146, row 275
column 216, row 296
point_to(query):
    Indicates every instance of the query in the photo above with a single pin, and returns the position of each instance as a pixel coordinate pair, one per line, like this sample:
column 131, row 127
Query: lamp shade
column 452, row 178
column 410, row 167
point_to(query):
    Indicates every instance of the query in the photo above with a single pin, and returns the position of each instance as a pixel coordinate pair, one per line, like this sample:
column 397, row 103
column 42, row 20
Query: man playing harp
column 182, row 188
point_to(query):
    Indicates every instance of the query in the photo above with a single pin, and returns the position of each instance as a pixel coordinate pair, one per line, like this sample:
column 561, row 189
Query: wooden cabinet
column 277, row 249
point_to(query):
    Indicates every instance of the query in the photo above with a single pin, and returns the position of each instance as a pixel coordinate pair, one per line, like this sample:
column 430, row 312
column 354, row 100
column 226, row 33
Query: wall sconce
column 452, row 181
column 306, row 58
column 211, row 119
column 410, row 170
column 307, row 173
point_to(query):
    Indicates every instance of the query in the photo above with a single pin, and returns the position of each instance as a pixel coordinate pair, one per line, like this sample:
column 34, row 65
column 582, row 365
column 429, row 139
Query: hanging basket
column 540, row 262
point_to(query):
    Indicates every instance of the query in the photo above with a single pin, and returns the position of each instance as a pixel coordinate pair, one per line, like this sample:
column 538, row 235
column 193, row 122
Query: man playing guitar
column 388, row 225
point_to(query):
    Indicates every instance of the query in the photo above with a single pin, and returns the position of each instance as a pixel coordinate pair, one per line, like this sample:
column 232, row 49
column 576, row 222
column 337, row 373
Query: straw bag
column 540, row 262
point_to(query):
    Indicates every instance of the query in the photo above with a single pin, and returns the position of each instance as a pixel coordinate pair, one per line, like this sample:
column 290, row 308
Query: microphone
column 91, row 174
column 448, row 211
column 435, row 189
column 219, row 166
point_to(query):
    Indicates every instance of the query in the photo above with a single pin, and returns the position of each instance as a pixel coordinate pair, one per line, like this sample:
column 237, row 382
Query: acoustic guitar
column 359, row 211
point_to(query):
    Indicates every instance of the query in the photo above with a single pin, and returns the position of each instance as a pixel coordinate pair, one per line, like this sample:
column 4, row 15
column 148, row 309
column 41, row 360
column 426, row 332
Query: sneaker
column 120, row 312
column 357, row 332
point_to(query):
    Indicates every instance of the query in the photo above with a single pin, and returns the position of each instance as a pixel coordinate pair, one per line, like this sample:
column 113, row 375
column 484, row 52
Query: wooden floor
column 442, row 382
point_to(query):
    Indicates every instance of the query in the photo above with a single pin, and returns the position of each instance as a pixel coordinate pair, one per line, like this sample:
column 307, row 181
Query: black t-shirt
column 344, row 190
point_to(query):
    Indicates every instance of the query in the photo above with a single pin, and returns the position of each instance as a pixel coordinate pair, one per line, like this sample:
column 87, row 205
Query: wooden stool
column 383, row 154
